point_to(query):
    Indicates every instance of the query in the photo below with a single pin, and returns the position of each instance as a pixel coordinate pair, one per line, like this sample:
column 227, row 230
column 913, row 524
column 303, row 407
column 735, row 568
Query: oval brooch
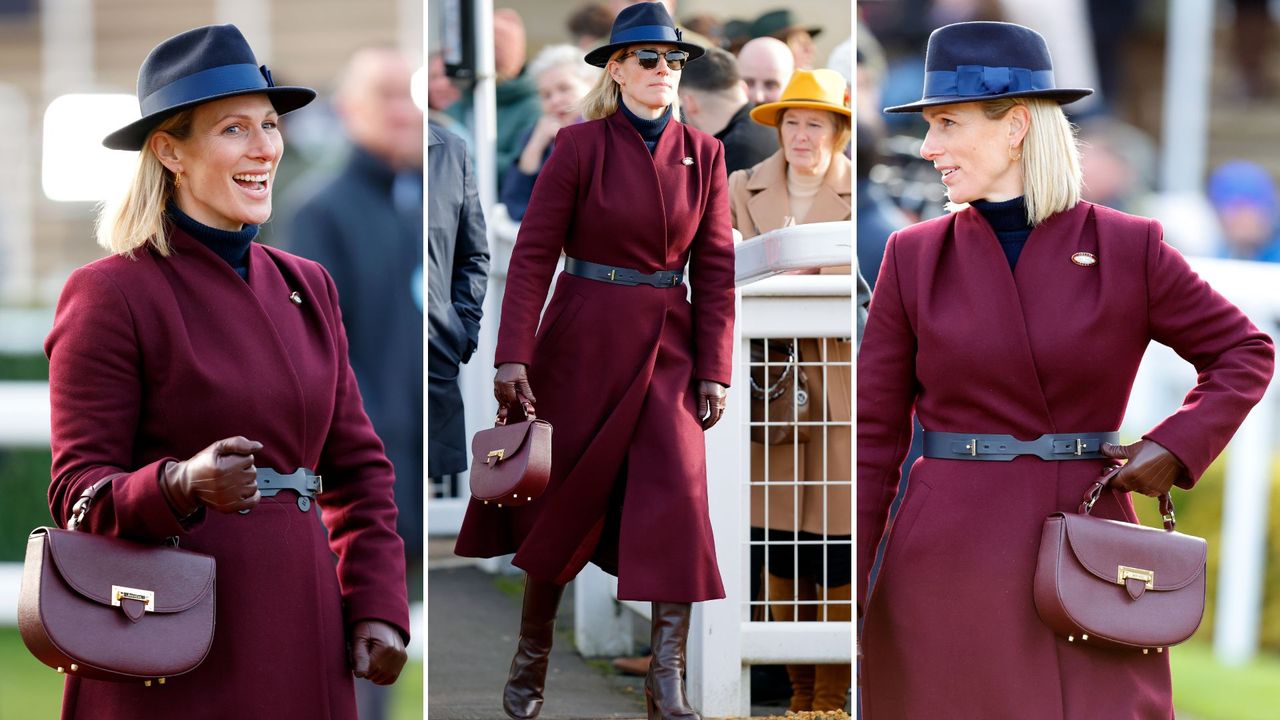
column 1084, row 259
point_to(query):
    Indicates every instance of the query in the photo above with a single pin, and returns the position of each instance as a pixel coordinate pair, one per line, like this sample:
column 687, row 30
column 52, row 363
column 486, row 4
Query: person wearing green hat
column 808, row 180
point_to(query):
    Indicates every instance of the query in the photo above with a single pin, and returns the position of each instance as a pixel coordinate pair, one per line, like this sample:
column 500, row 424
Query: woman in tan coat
column 805, row 497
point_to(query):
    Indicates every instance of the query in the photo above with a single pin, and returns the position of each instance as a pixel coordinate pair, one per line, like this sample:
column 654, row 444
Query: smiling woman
column 193, row 341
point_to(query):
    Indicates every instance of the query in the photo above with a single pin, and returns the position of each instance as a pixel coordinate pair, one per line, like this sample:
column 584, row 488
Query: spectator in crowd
column 1244, row 196
column 562, row 80
column 516, row 96
column 364, row 224
column 1118, row 162
column 714, row 101
column 807, row 181
column 878, row 217
column 765, row 65
column 783, row 25
column 441, row 92
column 736, row 33
column 589, row 25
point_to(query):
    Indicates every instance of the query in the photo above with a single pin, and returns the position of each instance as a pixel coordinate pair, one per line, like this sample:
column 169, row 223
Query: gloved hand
column 711, row 399
column 221, row 476
column 1150, row 469
column 377, row 652
column 511, row 388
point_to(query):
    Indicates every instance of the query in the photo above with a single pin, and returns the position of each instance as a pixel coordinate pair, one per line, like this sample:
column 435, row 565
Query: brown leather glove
column 221, row 476
column 377, row 652
column 511, row 388
column 1149, row 468
column 711, row 399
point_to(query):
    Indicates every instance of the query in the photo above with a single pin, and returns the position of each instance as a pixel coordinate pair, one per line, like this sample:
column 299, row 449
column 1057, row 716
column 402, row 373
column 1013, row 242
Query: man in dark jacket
column 364, row 224
column 459, row 255
column 714, row 100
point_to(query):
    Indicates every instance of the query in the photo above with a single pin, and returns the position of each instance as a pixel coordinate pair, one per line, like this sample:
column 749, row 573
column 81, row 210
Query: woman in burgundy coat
column 192, row 367
column 628, row 370
column 1022, row 314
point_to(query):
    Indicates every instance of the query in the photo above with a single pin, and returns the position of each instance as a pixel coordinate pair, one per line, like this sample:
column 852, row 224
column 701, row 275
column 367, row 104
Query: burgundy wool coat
column 616, row 368
column 951, row 628
column 153, row 359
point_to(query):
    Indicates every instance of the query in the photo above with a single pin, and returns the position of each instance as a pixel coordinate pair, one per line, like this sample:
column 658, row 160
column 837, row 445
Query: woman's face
column 228, row 162
column 974, row 153
column 561, row 89
column 808, row 139
column 654, row 88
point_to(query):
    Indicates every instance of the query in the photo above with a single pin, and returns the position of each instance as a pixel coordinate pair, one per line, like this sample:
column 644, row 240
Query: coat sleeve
column 1233, row 358
column 711, row 276
column 95, row 391
column 470, row 257
column 887, row 389
column 358, row 502
column 538, row 245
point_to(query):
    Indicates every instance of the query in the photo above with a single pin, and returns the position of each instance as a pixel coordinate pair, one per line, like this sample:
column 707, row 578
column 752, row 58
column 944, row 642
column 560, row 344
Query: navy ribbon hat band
column 983, row 81
column 644, row 33
column 207, row 83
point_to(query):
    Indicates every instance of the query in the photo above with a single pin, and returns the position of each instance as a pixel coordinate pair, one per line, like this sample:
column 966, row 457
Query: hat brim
column 1062, row 95
column 600, row 56
column 767, row 114
column 285, row 99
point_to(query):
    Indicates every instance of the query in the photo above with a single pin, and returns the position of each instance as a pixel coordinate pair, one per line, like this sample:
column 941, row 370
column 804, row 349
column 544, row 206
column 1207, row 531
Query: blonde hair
column 1051, row 175
column 843, row 130
column 137, row 218
column 603, row 98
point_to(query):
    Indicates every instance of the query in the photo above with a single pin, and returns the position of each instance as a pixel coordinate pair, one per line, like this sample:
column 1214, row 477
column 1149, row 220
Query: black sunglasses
column 649, row 58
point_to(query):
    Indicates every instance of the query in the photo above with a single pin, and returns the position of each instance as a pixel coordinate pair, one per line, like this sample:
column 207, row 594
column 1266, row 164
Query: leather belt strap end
column 1003, row 448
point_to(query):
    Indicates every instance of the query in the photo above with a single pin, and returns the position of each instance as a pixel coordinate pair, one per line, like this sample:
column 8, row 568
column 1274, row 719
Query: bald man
column 765, row 65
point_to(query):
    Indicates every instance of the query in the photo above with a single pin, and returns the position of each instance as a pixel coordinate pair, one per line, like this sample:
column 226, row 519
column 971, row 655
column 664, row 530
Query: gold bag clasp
column 120, row 593
column 1123, row 573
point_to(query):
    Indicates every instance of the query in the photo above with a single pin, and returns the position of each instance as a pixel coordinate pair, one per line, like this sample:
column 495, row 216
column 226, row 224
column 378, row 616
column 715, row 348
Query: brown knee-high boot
column 522, row 697
column 664, row 685
column 831, row 682
column 782, row 593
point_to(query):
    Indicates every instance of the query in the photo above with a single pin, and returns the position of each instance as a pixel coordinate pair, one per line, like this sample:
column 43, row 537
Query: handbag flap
column 92, row 564
column 492, row 446
column 1103, row 547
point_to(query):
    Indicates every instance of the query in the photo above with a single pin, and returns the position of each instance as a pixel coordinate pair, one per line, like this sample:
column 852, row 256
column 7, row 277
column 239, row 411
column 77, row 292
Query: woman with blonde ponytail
column 199, row 385
column 1013, row 328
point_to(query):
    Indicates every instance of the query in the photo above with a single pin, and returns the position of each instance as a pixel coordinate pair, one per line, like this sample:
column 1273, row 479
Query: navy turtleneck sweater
column 650, row 130
column 230, row 246
column 1009, row 221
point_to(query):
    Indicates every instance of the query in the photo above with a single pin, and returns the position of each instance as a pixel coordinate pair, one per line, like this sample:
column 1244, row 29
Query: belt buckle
column 675, row 279
column 1079, row 446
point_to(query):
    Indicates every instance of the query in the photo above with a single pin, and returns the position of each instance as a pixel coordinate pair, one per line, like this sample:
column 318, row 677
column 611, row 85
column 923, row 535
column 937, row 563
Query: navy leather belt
column 1057, row 446
column 302, row 481
column 622, row 276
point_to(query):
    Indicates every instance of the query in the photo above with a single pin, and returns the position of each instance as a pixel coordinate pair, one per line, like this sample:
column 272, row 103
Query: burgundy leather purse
column 1118, row 584
column 511, row 462
column 110, row 609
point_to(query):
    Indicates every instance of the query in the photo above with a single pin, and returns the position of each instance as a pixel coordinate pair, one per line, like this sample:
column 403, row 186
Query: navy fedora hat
column 641, row 23
column 197, row 66
column 976, row 61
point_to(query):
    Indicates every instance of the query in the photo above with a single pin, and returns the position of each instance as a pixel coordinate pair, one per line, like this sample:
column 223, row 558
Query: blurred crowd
column 1119, row 51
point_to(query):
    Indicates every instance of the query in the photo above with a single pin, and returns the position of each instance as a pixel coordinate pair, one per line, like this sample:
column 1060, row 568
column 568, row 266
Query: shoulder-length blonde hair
column 1051, row 176
column 603, row 98
column 137, row 218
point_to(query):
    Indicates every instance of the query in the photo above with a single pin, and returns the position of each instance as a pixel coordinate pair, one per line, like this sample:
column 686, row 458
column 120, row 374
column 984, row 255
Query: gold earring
column 177, row 181
column 1015, row 153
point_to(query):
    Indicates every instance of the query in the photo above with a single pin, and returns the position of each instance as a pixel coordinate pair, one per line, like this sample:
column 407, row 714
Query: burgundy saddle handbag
column 511, row 462
column 111, row 609
column 1117, row 584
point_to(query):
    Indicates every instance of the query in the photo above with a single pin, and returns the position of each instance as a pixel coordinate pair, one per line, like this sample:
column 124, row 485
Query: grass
column 31, row 691
column 1205, row 690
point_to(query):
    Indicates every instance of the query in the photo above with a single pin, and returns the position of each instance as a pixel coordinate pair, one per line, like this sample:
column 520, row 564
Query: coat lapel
column 832, row 201
column 768, row 204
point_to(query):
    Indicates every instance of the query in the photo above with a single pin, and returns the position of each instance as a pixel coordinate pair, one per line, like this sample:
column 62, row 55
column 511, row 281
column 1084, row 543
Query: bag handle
column 525, row 406
column 81, row 508
column 1095, row 491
